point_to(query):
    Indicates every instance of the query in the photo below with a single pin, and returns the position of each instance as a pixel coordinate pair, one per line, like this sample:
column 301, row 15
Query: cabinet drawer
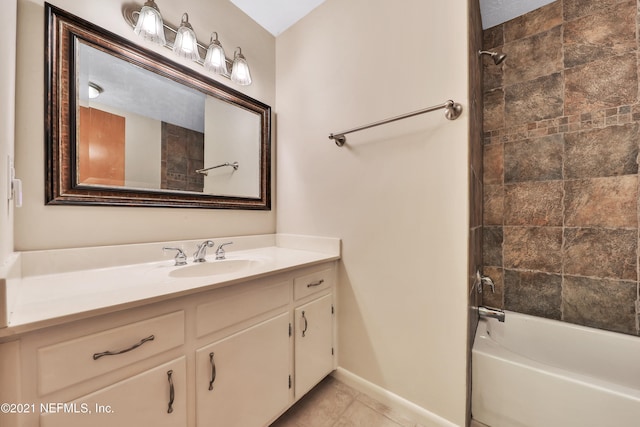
column 70, row 362
column 231, row 306
column 313, row 282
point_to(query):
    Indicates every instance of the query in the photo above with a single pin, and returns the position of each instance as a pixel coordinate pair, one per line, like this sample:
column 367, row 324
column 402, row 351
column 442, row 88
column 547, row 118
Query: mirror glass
column 129, row 127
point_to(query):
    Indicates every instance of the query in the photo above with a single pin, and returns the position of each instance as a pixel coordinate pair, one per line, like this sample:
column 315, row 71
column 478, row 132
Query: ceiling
column 496, row 12
column 278, row 15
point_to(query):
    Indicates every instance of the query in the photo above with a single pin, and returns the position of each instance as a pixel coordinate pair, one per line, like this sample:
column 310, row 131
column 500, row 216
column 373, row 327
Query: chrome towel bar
column 453, row 111
column 204, row 172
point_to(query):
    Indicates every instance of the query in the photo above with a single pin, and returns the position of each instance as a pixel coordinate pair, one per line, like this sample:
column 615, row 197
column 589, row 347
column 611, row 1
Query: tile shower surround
column 561, row 137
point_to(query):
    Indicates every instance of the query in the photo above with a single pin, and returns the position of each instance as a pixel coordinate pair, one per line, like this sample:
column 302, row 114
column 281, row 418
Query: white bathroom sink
column 213, row 268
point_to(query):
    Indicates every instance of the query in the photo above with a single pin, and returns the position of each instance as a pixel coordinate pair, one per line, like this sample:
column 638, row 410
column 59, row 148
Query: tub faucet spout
column 491, row 312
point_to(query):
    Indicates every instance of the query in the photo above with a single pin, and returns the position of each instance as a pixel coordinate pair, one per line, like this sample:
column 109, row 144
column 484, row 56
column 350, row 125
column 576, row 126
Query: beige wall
column 7, row 111
column 397, row 195
column 38, row 226
column 231, row 135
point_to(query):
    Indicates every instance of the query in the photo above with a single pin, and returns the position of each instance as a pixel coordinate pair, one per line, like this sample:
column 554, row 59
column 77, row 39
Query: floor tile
column 334, row 404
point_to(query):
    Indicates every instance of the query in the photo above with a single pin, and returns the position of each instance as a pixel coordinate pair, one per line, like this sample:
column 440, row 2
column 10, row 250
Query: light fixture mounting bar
column 130, row 15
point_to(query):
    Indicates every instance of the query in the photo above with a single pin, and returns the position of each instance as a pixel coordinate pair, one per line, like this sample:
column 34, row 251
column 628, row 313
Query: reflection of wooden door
column 101, row 147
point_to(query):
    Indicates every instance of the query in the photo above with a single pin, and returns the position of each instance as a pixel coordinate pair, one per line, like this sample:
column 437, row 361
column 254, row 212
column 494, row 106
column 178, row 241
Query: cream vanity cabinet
column 242, row 380
column 242, row 376
column 146, row 399
column 239, row 355
column 314, row 312
column 140, row 378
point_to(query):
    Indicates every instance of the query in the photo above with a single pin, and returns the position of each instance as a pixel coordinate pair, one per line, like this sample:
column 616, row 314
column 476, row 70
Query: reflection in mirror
column 145, row 131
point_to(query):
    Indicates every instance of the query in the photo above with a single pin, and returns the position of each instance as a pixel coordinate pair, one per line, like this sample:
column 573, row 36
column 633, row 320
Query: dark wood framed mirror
column 125, row 126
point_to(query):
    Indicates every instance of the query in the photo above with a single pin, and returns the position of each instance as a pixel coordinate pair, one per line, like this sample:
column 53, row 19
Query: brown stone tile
column 492, row 246
column 599, row 252
column 494, row 299
column 599, row 35
column 576, row 8
column 492, row 169
column 600, row 84
column 475, row 199
column 600, row 303
column 534, row 100
column 493, row 110
column 493, row 205
column 536, row 159
column 534, row 22
column 533, row 203
column 493, row 37
column 533, row 248
column 492, row 74
column 532, row 57
column 195, row 146
column 535, row 293
column 602, row 202
column 476, row 147
column 608, row 151
column 474, row 262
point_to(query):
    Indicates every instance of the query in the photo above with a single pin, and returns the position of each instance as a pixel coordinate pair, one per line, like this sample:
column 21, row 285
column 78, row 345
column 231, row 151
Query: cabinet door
column 313, row 343
column 243, row 380
column 157, row 398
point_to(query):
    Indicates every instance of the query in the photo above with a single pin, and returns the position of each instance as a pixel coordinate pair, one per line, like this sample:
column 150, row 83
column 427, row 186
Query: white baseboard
column 393, row 401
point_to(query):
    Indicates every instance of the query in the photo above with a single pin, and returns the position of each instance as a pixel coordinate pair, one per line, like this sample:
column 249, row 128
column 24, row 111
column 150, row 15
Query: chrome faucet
column 491, row 312
column 220, row 254
column 201, row 252
column 181, row 257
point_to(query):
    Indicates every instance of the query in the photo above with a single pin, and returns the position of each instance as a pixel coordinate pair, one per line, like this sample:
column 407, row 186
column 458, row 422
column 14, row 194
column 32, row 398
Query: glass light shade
column 94, row 90
column 149, row 25
column 215, row 61
column 240, row 71
column 186, row 45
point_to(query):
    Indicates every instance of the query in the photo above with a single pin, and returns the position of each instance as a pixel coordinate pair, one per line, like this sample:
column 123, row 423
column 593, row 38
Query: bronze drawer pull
column 172, row 393
column 318, row 283
column 306, row 325
column 213, row 371
column 97, row 356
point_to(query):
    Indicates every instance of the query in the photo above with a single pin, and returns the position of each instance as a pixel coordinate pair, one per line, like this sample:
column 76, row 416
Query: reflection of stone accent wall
column 561, row 138
column 182, row 154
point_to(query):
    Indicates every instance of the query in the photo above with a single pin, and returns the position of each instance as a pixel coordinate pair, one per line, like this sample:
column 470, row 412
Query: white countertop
column 51, row 297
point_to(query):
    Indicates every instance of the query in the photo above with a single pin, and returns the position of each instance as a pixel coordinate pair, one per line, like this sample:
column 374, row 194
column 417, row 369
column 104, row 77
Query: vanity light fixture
column 215, row 61
column 94, row 90
column 148, row 23
column 240, row 71
column 186, row 45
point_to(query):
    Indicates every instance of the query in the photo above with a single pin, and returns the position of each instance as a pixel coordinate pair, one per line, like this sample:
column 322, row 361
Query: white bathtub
column 535, row 372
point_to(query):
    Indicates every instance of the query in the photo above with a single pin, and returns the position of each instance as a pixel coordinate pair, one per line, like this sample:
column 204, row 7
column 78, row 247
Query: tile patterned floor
column 335, row 404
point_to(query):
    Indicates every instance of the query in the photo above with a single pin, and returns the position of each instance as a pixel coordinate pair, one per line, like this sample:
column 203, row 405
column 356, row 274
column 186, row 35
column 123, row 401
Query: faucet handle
column 181, row 257
column 481, row 281
column 220, row 254
column 486, row 280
